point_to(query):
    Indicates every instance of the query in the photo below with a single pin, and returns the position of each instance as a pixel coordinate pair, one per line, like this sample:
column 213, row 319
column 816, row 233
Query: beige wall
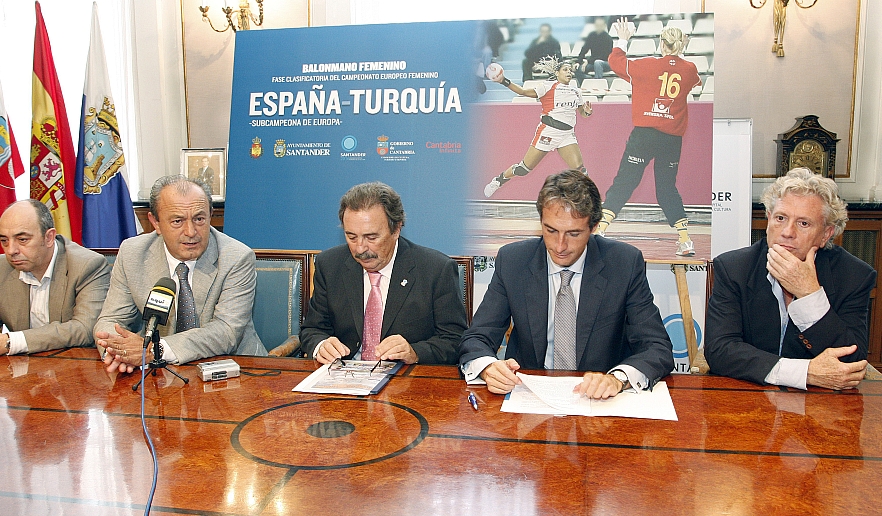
column 815, row 77
column 208, row 64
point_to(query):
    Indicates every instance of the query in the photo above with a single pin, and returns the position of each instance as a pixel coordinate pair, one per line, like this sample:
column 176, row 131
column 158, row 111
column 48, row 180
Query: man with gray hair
column 52, row 288
column 380, row 296
column 792, row 308
column 574, row 301
column 214, row 275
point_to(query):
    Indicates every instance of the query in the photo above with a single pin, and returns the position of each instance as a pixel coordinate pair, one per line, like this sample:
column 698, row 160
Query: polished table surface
column 72, row 444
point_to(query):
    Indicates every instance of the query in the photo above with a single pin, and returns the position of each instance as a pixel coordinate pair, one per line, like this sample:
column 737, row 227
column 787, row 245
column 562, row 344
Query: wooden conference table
column 72, row 444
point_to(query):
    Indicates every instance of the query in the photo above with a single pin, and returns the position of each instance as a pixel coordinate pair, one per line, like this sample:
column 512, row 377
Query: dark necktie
column 186, row 319
column 565, row 324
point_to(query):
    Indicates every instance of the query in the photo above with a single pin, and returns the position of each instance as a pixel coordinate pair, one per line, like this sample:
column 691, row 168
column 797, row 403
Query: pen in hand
column 473, row 400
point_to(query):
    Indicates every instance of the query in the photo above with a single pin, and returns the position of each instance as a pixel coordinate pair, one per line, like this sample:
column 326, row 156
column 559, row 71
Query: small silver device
column 218, row 370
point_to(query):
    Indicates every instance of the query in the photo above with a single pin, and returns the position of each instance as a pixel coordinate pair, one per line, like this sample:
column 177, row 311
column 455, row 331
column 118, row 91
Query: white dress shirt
column 805, row 312
column 385, row 279
column 39, row 303
column 472, row 370
column 167, row 353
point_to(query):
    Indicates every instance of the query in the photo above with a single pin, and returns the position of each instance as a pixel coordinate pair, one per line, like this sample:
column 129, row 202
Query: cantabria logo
column 445, row 147
column 382, row 145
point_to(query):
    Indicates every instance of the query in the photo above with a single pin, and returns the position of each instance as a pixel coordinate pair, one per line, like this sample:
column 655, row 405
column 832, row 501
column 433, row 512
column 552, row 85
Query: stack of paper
column 554, row 395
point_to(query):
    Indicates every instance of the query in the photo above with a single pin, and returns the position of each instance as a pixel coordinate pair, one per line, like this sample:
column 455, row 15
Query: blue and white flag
column 108, row 216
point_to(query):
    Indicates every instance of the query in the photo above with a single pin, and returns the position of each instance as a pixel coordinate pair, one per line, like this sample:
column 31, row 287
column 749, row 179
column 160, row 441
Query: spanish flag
column 53, row 162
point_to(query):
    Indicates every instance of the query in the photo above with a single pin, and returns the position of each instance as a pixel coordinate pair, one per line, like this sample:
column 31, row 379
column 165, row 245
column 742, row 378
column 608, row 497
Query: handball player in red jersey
column 659, row 89
column 560, row 102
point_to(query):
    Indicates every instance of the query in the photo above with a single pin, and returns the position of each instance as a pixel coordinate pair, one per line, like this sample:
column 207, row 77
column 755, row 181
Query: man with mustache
column 214, row 275
column 792, row 308
column 380, row 296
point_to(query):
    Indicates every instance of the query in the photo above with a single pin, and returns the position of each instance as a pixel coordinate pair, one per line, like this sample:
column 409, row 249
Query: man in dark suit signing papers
column 381, row 296
column 578, row 302
column 792, row 308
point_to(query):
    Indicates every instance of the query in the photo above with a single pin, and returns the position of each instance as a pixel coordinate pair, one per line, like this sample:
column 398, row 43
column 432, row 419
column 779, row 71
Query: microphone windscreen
column 167, row 283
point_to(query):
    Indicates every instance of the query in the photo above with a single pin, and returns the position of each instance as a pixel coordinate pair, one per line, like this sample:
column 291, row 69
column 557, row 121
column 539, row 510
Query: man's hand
column 623, row 30
column 331, row 349
column 826, row 370
column 599, row 386
column 500, row 376
column 122, row 351
column 796, row 276
column 4, row 344
column 395, row 347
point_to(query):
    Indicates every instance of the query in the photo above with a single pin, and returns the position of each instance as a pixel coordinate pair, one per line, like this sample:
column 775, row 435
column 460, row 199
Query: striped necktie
column 565, row 324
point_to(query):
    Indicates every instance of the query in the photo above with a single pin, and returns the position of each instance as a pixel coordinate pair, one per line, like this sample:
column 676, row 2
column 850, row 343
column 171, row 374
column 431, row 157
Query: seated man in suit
column 577, row 301
column 380, row 296
column 52, row 288
column 214, row 275
column 792, row 308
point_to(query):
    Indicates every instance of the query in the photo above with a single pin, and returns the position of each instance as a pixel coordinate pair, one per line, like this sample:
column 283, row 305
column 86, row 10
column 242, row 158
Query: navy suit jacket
column 424, row 303
column 616, row 323
column 744, row 322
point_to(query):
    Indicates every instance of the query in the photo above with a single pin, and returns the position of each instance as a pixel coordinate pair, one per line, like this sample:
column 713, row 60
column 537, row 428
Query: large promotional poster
column 466, row 120
column 316, row 111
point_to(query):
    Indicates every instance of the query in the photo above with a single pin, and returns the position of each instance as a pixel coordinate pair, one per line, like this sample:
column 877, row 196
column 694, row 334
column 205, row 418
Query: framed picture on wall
column 209, row 165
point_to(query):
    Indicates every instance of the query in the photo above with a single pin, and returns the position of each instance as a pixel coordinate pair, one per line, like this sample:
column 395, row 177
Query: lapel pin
column 404, row 283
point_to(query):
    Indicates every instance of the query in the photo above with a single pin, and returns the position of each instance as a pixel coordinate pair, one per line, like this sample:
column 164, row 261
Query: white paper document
column 353, row 377
column 557, row 393
column 554, row 395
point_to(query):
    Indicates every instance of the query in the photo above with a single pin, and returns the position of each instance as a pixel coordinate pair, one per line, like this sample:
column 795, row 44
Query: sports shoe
column 494, row 185
column 686, row 248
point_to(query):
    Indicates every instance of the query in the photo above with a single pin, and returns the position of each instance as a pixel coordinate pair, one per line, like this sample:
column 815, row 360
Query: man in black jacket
column 595, row 51
column 380, row 296
column 792, row 309
column 544, row 45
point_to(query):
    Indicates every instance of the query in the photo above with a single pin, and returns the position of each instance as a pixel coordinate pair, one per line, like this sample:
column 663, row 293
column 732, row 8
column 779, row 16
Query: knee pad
column 520, row 169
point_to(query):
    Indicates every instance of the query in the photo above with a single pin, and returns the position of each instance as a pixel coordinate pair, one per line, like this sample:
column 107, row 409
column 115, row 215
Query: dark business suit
column 616, row 323
column 744, row 323
column 424, row 303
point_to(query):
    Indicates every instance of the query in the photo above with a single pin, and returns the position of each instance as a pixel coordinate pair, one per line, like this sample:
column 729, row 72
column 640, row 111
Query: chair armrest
column 288, row 348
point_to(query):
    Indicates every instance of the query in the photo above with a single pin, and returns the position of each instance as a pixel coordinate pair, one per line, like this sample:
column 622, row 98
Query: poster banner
column 732, row 191
column 317, row 110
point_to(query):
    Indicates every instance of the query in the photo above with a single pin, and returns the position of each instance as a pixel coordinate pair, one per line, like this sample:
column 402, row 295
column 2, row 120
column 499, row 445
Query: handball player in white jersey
column 556, row 130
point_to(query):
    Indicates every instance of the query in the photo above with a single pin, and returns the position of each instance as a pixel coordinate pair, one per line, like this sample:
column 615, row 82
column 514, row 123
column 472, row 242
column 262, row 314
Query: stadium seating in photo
column 571, row 32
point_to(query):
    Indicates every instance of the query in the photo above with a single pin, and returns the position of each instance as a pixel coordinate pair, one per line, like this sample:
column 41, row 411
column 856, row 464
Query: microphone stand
column 157, row 362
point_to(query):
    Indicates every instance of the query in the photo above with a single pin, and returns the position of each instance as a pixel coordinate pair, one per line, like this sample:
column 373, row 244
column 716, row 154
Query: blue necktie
column 186, row 319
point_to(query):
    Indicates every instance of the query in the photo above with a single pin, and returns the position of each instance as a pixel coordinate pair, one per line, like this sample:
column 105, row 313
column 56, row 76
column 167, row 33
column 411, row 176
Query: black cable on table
column 147, row 433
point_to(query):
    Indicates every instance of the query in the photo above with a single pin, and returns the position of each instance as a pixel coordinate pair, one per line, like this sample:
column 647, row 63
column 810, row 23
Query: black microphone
column 158, row 306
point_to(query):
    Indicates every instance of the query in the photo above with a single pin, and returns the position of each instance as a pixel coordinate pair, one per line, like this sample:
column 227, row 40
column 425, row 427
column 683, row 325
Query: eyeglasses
column 351, row 368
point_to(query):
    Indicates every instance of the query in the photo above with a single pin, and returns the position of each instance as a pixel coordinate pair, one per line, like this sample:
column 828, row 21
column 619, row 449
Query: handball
column 495, row 72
